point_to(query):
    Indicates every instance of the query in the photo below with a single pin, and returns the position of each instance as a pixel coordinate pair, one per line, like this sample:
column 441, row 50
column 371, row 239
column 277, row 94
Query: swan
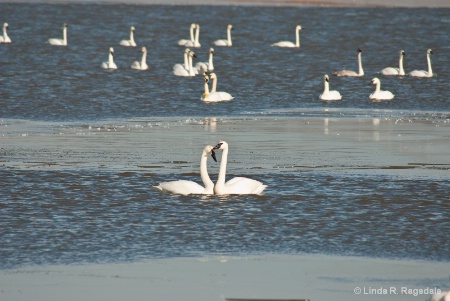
column 352, row 73
column 5, row 38
column 195, row 43
column 209, row 66
column 327, row 94
column 60, row 42
column 130, row 42
column 228, row 41
column 185, row 187
column 289, row 43
column 379, row 94
column 142, row 65
column 395, row 71
column 182, row 42
column 238, row 185
column 214, row 96
column 110, row 63
column 180, row 70
column 423, row 73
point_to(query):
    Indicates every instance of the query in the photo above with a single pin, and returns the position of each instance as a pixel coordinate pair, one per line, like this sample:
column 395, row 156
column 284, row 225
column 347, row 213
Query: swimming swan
column 327, row 94
column 288, row 43
column 130, row 42
column 379, row 94
column 181, row 69
column 195, row 43
column 191, row 71
column 183, row 42
column 142, row 65
column 60, row 42
column 395, row 71
column 185, row 187
column 238, row 185
column 209, row 66
column 214, row 96
column 110, row 63
column 5, row 38
column 228, row 41
column 352, row 73
column 423, row 73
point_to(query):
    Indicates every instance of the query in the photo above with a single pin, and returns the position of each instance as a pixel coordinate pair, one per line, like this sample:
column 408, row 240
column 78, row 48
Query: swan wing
column 180, row 187
column 241, row 185
column 179, row 70
column 346, row 73
column 284, row 44
column 419, row 73
column 331, row 95
column 216, row 96
column 136, row 65
column 221, row 43
column 390, row 71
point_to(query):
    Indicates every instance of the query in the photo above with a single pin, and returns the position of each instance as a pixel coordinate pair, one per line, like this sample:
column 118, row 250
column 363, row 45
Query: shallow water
column 81, row 146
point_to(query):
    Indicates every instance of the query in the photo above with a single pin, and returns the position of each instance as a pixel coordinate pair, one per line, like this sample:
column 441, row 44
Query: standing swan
column 183, row 42
column 352, row 73
column 395, row 71
column 327, row 94
column 110, row 63
column 60, row 42
column 130, row 42
column 423, row 73
column 209, row 66
column 185, row 187
column 228, row 41
column 238, row 185
column 142, row 65
column 289, row 43
column 379, row 94
column 214, row 96
column 5, row 38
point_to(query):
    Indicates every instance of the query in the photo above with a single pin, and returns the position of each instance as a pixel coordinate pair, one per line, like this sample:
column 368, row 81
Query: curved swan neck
column 360, row 68
column 209, row 184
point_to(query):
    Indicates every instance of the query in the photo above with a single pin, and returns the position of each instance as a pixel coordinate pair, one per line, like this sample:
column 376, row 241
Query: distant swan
column 395, row 71
column 110, row 63
column 183, row 42
column 327, row 94
column 142, row 65
column 195, row 43
column 352, row 73
column 423, row 73
column 130, row 42
column 209, row 66
column 191, row 71
column 289, row 43
column 60, row 42
column 238, row 185
column 379, row 94
column 181, row 69
column 185, row 187
column 228, row 41
column 5, row 38
column 214, row 96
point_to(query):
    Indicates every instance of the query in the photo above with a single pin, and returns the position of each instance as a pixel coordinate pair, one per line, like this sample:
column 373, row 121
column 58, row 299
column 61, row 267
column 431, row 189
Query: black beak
column 218, row 146
column 213, row 155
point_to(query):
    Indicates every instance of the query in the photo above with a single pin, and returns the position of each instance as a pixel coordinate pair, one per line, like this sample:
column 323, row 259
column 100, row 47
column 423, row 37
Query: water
column 81, row 146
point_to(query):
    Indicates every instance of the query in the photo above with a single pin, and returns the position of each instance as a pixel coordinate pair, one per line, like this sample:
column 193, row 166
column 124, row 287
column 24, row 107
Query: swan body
column 423, row 73
column 352, row 73
column 185, row 187
column 228, row 41
column 130, row 42
column 214, row 96
column 395, row 71
column 60, row 42
column 183, row 69
column 5, row 38
column 379, row 94
column 289, row 43
column 238, row 185
column 194, row 43
column 327, row 94
column 110, row 63
column 209, row 66
column 142, row 65
column 183, row 42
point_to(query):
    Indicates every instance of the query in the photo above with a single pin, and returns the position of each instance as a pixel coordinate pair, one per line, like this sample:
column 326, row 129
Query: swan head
column 111, row 50
column 144, row 49
column 212, row 76
column 211, row 50
column 197, row 26
column 209, row 149
column 429, row 51
column 326, row 78
column 402, row 52
column 230, row 27
column 359, row 50
column 5, row 25
column 192, row 54
column 65, row 25
column 187, row 50
column 132, row 28
column 221, row 145
column 375, row 81
column 298, row 27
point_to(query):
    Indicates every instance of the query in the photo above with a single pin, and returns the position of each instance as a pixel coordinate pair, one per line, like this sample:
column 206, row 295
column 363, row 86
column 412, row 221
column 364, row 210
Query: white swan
column 379, row 94
column 185, row 187
column 142, row 65
column 209, row 66
column 395, row 71
column 180, row 70
column 5, row 38
column 327, row 94
column 110, row 63
column 238, row 185
column 214, row 96
column 195, row 43
column 130, row 42
column 182, row 42
column 289, row 43
column 352, row 73
column 228, row 41
column 423, row 73
column 60, row 42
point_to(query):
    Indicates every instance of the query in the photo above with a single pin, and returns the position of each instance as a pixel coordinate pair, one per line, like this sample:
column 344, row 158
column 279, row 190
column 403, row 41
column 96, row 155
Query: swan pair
column 423, row 73
column 290, row 44
column 213, row 96
column 379, row 94
column 238, row 185
column 186, row 69
column 5, row 38
column 137, row 65
column 60, row 42
column 350, row 72
column 130, row 42
column 327, row 94
column 227, row 42
column 194, row 39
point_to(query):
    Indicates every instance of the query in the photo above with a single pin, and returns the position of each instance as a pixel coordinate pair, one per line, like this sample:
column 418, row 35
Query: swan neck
column 144, row 58
column 360, row 68
column 206, row 88
column 191, row 69
column 430, row 71
column 378, row 87
column 297, row 37
column 214, row 84
column 223, row 170
column 229, row 37
column 326, row 87
column 192, row 33
column 65, row 35
column 186, row 61
column 401, row 71
column 197, row 35
column 209, row 185
column 210, row 62
column 111, row 59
